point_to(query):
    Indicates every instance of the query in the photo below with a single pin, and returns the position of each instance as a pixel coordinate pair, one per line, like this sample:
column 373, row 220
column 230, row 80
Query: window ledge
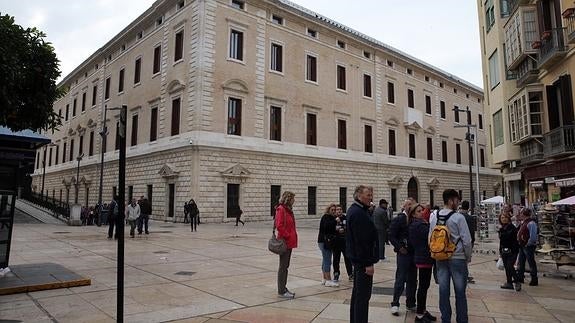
column 177, row 62
column 341, row 90
column 391, row 103
column 312, row 147
column 137, row 84
column 235, row 137
column 276, row 72
column 233, row 60
column 275, row 142
column 312, row 82
column 370, row 98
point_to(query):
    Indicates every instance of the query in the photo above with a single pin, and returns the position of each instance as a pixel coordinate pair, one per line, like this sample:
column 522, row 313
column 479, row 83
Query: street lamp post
column 79, row 159
column 104, row 135
column 470, row 137
column 120, row 218
column 43, row 172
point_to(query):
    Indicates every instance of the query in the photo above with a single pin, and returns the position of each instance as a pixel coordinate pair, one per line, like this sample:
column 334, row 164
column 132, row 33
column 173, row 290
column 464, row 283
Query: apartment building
column 231, row 102
column 527, row 62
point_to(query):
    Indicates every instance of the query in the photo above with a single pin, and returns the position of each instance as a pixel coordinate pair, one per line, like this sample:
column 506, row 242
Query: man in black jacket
column 406, row 272
column 362, row 249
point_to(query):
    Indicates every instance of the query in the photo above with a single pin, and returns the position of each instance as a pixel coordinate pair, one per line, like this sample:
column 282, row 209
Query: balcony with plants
column 508, row 7
column 552, row 47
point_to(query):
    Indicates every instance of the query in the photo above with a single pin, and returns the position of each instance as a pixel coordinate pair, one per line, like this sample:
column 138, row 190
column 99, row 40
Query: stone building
column 527, row 50
column 231, row 102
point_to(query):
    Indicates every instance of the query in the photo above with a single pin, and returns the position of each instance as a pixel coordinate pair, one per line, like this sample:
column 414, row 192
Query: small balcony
column 552, row 47
column 509, row 6
column 531, row 152
column 569, row 16
column 520, row 35
column 527, row 72
column 560, row 141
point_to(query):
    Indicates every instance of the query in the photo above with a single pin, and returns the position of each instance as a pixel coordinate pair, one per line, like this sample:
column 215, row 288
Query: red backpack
column 523, row 233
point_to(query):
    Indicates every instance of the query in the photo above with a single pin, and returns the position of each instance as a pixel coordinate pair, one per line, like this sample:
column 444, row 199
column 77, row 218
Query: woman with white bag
column 508, row 250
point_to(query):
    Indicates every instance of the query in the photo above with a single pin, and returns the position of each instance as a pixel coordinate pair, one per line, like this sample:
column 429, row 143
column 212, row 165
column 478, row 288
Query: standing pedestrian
column 527, row 239
column 194, row 213
column 239, row 213
column 454, row 268
column 406, row 272
column 113, row 215
column 381, row 221
column 472, row 225
column 326, row 240
column 145, row 212
column 362, row 247
column 132, row 215
column 508, row 250
column 286, row 230
column 340, row 245
column 186, row 212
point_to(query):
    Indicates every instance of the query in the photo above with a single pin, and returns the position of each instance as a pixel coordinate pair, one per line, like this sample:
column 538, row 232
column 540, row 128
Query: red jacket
column 285, row 225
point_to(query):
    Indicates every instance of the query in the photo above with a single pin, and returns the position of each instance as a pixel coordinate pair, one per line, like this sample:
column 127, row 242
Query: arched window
column 412, row 189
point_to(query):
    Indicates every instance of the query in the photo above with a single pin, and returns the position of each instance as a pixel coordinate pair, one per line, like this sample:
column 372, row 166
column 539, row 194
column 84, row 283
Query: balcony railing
column 570, row 32
column 552, row 47
column 509, row 6
column 527, row 72
column 531, row 151
column 560, row 141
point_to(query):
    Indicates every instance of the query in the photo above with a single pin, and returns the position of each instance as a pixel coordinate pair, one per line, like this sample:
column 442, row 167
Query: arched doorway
column 412, row 189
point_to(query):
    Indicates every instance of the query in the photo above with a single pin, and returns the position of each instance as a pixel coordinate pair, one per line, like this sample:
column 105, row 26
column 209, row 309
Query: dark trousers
column 509, row 263
column 132, row 224
column 283, row 271
column 527, row 253
column 382, row 235
column 186, row 219
column 360, row 295
column 405, row 276
column 111, row 225
column 143, row 223
column 424, row 282
column 337, row 252
column 238, row 220
column 194, row 223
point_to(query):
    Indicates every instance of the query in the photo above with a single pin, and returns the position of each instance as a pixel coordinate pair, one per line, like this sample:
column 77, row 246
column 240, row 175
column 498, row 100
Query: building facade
column 232, row 102
column 528, row 62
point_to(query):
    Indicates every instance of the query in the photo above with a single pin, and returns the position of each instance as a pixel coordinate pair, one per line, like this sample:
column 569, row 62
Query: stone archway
column 413, row 188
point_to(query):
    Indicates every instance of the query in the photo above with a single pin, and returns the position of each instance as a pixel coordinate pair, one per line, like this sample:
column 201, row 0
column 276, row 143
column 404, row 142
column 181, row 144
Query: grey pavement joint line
column 52, row 318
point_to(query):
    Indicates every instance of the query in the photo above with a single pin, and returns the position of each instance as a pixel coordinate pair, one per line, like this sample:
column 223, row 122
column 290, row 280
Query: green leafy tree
column 28, row 72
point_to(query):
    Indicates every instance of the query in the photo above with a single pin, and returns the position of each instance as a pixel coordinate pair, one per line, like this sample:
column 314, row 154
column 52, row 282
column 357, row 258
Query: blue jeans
column 456, row 270
column 526, row 253
column 326, row 258
column 405, row 277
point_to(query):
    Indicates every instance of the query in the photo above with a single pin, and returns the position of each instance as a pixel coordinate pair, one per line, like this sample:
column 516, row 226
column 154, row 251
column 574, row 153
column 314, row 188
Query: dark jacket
column 399, row 233
column 361, row 239
column 326, row 226
column 381, row 220
column 508, row 238
column 145, row 207
column 418, row 243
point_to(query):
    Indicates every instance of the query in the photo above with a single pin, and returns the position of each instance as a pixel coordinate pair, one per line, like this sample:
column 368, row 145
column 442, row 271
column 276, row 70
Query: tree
column 28, row 72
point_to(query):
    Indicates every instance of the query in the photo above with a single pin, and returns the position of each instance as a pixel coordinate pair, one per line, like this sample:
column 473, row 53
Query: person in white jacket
column 133, row 214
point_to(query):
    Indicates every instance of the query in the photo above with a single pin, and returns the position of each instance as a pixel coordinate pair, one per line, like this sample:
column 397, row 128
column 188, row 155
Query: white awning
column 564, row 182
column 512, row 177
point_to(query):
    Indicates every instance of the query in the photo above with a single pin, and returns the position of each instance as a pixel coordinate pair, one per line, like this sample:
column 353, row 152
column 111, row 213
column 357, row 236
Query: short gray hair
column 359, row 189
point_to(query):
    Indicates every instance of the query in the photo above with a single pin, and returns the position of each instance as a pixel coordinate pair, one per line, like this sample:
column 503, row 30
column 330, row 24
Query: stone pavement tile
column 518, row 320
column 335, row 297
column 217, row 315
column 133, row 277
column 478, row 319
column 547, row 290
column 13, row 298
column 266, row 314
column 25, row 314
column 513, row 308
column 556, row 304
column 16, row 304
column 563, row 315
column 224, row 321
column 71, row 308
column 192, row 320
column 502, row 295
column 51, row 293
column 322, row 320
column 341, row 312
column 299, row 304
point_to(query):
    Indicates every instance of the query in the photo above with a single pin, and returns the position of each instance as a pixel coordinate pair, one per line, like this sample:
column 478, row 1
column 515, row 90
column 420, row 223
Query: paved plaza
column 224, row 273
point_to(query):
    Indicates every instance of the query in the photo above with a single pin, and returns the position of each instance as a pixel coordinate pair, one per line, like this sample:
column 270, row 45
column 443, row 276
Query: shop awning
column 512, row 177
column 564, row 182
column 567, row 201
column 494, row 200
column 536, row 184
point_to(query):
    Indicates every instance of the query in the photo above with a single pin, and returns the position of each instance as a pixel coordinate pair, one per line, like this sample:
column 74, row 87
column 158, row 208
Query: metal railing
column 570, row 29
column 552, row 44
column 58, row 208
column 509, row 6
column 559, row 141
column 531, row 151
column 527, row 72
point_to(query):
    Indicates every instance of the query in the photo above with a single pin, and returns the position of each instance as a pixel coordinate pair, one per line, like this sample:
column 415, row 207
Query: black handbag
column 275, row 245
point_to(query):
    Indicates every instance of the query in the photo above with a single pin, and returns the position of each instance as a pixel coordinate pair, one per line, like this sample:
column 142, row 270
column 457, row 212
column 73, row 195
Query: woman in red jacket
column 285, row 225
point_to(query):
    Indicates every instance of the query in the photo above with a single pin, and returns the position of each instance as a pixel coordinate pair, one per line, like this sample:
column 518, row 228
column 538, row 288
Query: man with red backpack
column 527, row 238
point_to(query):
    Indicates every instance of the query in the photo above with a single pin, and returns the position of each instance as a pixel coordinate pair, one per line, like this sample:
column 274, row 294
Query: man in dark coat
column 381, row 221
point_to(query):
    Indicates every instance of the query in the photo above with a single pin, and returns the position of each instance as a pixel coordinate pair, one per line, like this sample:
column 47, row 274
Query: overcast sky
column 443, row 33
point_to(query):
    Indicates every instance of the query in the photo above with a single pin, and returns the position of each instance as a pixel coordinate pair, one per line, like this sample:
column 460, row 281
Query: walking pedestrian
column 454, row 268
column 381, row 221
column 194, row 213
column 186, row 212
column 326, row 240
column 239, row 213
column 145, row 212
column 340, row 245
column 132, row 215
column 418, row 242
column 362, row 244
column 527, row 239
column 406, row 272
column 113, row 215
column 286, row 230
column 508, row 250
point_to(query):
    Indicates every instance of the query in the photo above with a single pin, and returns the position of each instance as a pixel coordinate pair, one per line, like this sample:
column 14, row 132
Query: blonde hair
column 287, row 198
column 329, row 207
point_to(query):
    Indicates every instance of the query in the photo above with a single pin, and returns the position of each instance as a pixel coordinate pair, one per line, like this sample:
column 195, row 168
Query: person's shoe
column 350, row 278
column 331, row 283
column 534, row 282
column 147, row 232
column 412, row 308
column 336, row 277
column 506, row 286
column 517, row 287
column 287, row 294
column 139, row 233
column 421, row 319
column 429, row 317
column 323, row 281
column 395, row 310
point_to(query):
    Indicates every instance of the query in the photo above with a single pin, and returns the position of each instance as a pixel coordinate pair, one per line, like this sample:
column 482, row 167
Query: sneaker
column 395, row 310
column 421, row 319
column 429, row 317
column 287, row 294
column 323, row 281
column 517, row 287
column 506, row 286
column 336, row 277
column 331, row 283
column 534, row 282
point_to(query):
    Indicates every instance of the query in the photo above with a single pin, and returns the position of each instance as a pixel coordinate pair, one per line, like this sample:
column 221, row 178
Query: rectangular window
column 311, row 200
column 409, row 71
column 480, row 119
column 137, row 70
column 74, row 107
column 311, row 125
column 341, row 77
column 275, row 123
column 489, row 15
column 94, row 94
column 83, row 101
column 114, row 191
column 366, row 54
column 277, row 20
column 444, row 151
column 468, row 113
column 343, row 198
column 368, row 139
column 429, row 149
column 117, row 145
column 458, row 154
column 456, row 114
column 130, row 193
column 121, row 81
column 471, row 157
column 442, row 109
column 154, row 124
column 179, row 46
column 427, row 104
column 410, row 100
column 276, row 191
column 389, row 63
column 498, row 128
column 81, row 145
column 237, row 45
column 56, row 161
column 311, row 68
column 391, row 139
column 234, row 117
column 71, row 156
column 393, row 194
column 181, row 4
column 238, row 4
column 341, row 134
column 157, row 57
column 341, row 44
column 91, row 144
column 411, row 145
column 107, row 89
column 390, row 93
column 276, row 58
column 67, row 111
column 482, row 157
column 64, row 153
column 150, row 190
column 312, row 33
column 494, row 69
column 176, row 116
column 50, row 157
column 460, row 194
column 367, row 85
column 134, row 136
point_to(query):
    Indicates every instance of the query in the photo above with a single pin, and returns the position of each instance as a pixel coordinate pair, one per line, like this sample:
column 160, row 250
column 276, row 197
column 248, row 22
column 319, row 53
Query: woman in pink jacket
column 285, row 225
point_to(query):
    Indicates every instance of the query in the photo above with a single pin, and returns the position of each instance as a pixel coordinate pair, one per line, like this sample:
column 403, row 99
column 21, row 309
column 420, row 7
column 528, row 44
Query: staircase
column 39, row 213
